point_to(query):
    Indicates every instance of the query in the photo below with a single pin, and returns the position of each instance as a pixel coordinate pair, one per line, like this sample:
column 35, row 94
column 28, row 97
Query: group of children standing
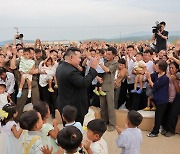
column 34, row 135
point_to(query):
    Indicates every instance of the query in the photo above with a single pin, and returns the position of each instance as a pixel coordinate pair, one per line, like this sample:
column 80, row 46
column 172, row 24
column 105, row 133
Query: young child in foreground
column 69, row 114
column 130, row 139
column 49, row 131
column 95, row 143
column 69, row 139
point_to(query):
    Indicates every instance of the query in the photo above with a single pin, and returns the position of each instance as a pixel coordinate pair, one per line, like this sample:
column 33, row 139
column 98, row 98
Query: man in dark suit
column 72, row 85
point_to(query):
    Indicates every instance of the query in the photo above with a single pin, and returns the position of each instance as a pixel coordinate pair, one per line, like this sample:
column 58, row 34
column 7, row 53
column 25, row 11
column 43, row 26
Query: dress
column 50, row 72
column 11, row 145
column 3, row 99
column 47, row 139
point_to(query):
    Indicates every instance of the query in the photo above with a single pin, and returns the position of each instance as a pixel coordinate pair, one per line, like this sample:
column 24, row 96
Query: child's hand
column 119, row 130
column 87, row 145
column 46, row 150
column 55, row 122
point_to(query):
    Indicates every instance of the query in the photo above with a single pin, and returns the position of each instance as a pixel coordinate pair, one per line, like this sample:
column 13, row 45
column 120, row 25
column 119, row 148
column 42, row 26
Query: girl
column 32, row 142
column 10, row 131
column 49, row 132
column 49, row 68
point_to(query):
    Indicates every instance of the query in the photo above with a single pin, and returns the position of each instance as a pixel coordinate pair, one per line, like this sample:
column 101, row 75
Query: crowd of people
column 73, row 77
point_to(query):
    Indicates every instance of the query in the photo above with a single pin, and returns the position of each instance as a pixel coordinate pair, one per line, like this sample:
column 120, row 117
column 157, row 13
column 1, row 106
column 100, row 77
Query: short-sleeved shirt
column 99, row 147
column 161, row 44
column 130, row 140
column 26, row 65
column 108, row 78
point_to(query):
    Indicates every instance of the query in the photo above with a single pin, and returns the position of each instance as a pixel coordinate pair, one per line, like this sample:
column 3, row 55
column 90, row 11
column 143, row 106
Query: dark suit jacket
column 72, row 87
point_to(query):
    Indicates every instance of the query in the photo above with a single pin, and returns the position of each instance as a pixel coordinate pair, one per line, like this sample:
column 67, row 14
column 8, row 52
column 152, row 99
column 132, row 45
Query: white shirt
column 130, row 69
column 9, row 82
column 130, row 140
column 99, row 147
column 3, row 99
column 149, row 66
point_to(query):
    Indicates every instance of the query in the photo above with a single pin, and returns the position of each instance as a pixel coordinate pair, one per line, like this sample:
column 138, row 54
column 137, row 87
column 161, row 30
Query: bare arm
column 17, row 133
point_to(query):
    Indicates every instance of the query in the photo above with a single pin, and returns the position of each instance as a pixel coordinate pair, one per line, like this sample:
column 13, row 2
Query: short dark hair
column 2, row 70
column 3, row 85
column 163, row 23
column 135, row 118
column 162, row 65
column 51, row 51
column 130, row 46
column 26, row 50
column 101, row 51
column 42, row 108
column 139, row 53
column 69, row 138
column 113, row 50
column 73, row 49
column 149, row 51
column 97, row 126
column 37, row 50
column 122, row 61
column 92, row 50
column 69, row 113
column 28, row 120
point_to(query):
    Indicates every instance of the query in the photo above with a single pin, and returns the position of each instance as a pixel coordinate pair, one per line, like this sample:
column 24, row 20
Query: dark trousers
column 130, row 95
column 123, row 94
column 173, row 115
column 159, row 115
column 139, row 101
column 49, row 97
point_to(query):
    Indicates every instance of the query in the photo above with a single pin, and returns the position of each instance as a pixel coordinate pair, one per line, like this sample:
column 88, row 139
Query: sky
column 84, row 19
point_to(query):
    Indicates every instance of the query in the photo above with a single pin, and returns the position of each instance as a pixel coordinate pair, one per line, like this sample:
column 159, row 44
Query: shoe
column 55, row 86
column 163, row 132
column 96, row 92
column 147, row 109
column 19, row 94
column 153, row 109
column 110, row 128
column 152, row 135
column 50, row 90
column 102, row 93
column 134, row 91
column 169, row 134
column 139, row 91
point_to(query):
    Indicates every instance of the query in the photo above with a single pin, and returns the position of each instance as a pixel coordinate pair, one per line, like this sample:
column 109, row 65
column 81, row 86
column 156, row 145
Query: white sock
column 29, row 94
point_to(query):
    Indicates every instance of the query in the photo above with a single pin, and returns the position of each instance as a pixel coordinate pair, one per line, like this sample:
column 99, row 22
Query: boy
column 25, row 66
column 138, row 70
column 69, row 114
column 95, row 131
column 130, row 139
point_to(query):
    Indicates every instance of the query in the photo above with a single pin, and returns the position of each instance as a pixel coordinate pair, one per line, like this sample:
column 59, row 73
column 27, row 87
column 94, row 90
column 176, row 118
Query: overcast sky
column 82, row 19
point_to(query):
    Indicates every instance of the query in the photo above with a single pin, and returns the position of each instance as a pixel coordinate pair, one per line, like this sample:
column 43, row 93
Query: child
column 130, row 139
column 11, row 131
column 98, row 87
column 70, row 138
column 25, row 66
column 138, row 70
column 95, row 131
column 4, row 97
column 49, row 132
column 69, row 114
column 31, row 121
column 49, row 69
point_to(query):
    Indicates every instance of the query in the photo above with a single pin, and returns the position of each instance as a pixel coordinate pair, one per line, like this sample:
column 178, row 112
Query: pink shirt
column 172, row 90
